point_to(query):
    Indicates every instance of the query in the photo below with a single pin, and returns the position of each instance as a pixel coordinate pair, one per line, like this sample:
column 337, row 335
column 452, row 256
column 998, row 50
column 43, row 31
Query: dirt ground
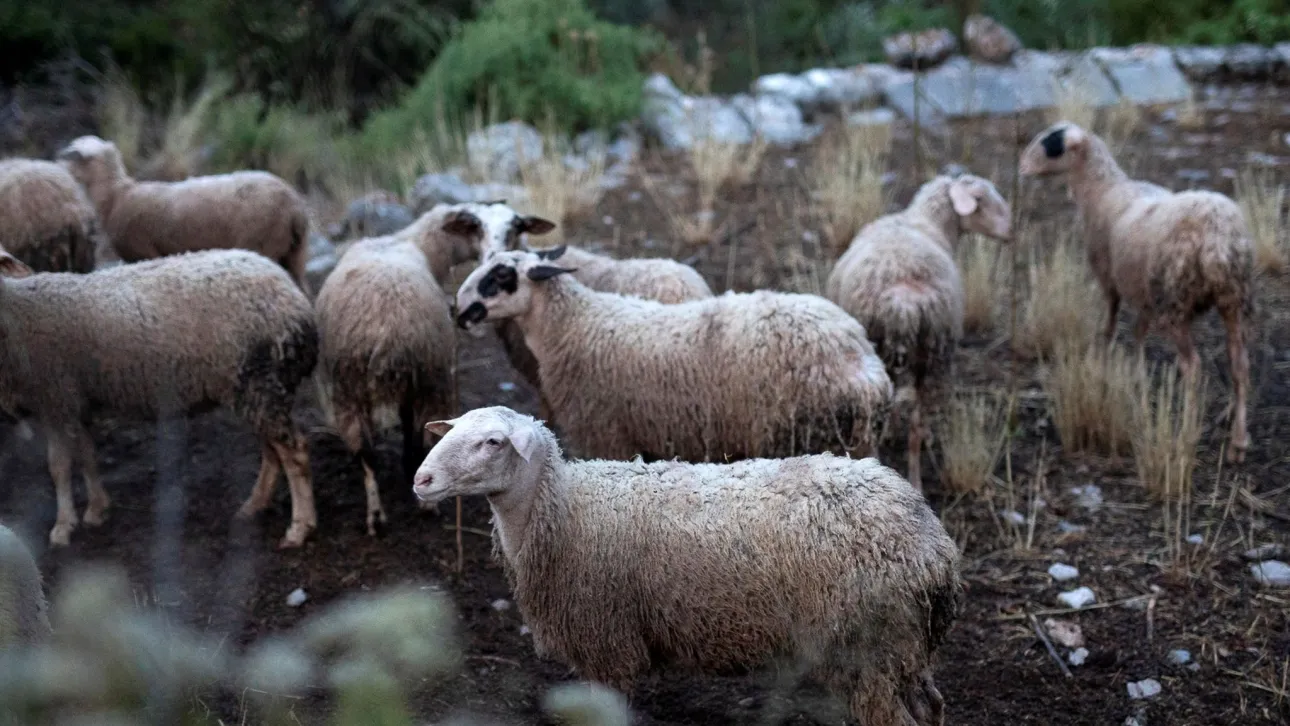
column 171, row 523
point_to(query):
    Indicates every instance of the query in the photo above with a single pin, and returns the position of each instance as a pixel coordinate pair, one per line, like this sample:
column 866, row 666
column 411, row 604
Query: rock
column 1134, row 721
column 1271, row 573
column 1077, row 657
column 297, row 598
column 1062, row 572
column 1087, row 80
column 1250, row 62
column 1065, row 527
column 921, row 50
column 1067, row 634
column 841, row 89
column 989, row 41
column 795, row 88
column 1013, row 517
column 775, row 119
column 595, row 141
column 449, row 188
column 1179, row 657
column 1282, row 53
column 1077, row 598
column 873, row 117
column 1145, row 74
column 1145, row 688
column 506, row 386
column 1202, row 64
column 677, row 120
column 1258, row 158
column 1088, row 496
column 1194, row 176
column 1197, row 539
column 499, row 151
column 374, row 214
column 1264, row 552
column 501, row 605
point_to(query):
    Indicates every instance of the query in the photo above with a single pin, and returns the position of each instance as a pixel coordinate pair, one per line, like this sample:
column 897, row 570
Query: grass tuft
column 1168, row 421
column 977, row 256
column 1062, row 306
column 1262, row 199
column 848, row 170
column 973, row 436
column 1094, row 394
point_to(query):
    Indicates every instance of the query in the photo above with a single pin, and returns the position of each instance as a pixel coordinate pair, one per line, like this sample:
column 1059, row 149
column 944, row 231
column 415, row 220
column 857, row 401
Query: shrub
column 528, row 58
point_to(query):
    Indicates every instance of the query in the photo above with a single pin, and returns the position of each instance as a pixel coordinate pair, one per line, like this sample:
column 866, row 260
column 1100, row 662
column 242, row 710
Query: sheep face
column 495, row 226
column 502, row 287
column 1057, row 149
column 980, row 207
column 92, row 161
column 485, row 451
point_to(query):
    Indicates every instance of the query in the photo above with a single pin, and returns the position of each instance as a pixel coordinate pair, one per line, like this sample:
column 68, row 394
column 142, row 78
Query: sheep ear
column 11, row 266
column 524, row 439
column 441, row 428
column 554, row 253
column 962, row 199
column 535, row 225
column 461, row 223
column 545, row 272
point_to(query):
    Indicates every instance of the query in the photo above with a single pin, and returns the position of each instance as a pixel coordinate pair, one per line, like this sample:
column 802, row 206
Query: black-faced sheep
column 153, row 339
column 46, row 221
column 621, row 567
column 251, row 210
column 737, row 375
column 1170, row 255
column 899, row 279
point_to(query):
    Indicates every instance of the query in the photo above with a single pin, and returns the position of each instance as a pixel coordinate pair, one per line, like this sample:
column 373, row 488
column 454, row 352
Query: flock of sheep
column 638, row 552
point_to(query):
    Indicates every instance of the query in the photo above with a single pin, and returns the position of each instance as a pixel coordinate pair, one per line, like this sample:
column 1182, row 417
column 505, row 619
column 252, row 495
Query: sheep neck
column 550, row 304
column 932, row 209
column 1097, row 176
column 513, row 508
column 105, row 196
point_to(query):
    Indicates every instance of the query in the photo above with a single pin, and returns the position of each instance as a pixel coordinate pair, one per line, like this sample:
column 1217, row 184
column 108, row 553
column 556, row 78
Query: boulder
column 1250, row 62
column 922, row 50
column 775, row 119
column 374, row 214
column 1202, row 64
column 989, row 41
column 677, row 121
column 449, row 188
column 500, row 150
column 1144, row 74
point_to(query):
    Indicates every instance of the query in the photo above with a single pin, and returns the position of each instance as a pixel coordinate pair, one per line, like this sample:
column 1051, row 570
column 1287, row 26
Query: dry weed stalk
column 1094, row 392
column 972, row 442
column 714, row 163
column 561, row 188
column 1262, row 199
column 122, row 116
column 1119, row 123
column 849, row 172
column 1058, row 307
column 1072, row 104
column 977, row 257
column 181, row 139
column 1168, row 420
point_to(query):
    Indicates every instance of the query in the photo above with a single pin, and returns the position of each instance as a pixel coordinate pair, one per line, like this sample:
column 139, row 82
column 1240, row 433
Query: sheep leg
column 1188, row 360
column 924, row 700
column 1239, row 360
column 916, row 440
column 99, row 501
column 60, row 469
column 265, row 483
column 874, row 702
column 1113, row 312
column 304, row 518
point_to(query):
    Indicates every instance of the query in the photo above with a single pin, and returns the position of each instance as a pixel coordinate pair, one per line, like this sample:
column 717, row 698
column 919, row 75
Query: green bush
column 306, row 149
column 524, row 59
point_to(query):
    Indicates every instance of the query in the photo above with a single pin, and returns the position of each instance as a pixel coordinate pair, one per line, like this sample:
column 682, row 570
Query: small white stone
column 1264, row 552
column 1272, row 573
column 1077, row 657
column 1180, row 657
column 634, row 197
column 608, row 220
column 506, row 386
column 1062, row 572
column 810, row 236
column 790, row 163
column 1196, row 539
column 1077, row 598
column 297, row 598
column 1068, row 634
column 1088, row 496
column 500, row 605
column 1068, row 528
column 1145, row 688
column 524, row 630
column 1013, row 517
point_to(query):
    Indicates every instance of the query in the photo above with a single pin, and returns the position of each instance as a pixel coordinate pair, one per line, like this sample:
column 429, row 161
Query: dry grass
column 122, row 116
column 1118, row 124
column 1095, row 393
column 972, row 440
column 178, row 156
column 1074, row 105
column 1168, row 420
column 1063, row 305
column 848, row 173
column 714, row 165
column 978, row 257
column 1191, row 116
column 1262, row 200
column 559, row 190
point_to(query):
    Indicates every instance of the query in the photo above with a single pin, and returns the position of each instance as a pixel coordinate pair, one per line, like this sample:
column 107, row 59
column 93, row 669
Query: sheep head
column 483, row 451
column 980, row 207
column 487, row 227
column 1057, row 149
column 502, row 287
column 93, row 162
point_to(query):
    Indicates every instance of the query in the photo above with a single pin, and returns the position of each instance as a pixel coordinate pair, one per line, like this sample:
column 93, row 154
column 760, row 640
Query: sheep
column 24, row 618
column 738, row 375
column 46, row 221
column 621, row 567
column 154, row 339
column 252, row 210
column 666, row 281
column 1169, row 255
column 388, row 340
column 899, row 279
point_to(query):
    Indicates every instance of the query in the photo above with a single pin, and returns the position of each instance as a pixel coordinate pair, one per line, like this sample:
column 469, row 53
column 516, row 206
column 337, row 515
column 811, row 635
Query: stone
column 1087, row 80
column 1077, row 598
column 840, row 89
column 1145, row 74
column 1088, row 496
column 922, row 50
column 1013, row 517
column 678, row 121
column 1282, row 53
column 1197, row 539
column 775, row 119
column 1202, row 64
column 374, row 214
column 1145, row 688
column 1271, row 573
column 989, row 40
column 1067, row 634
column 1179, row 657
column 501, row 605
column 500, row 150
column 449, row 188
column 793, row 87
column 900, row 96
column 1269, row 551
column 1062, row 572
column 1251, row 62
column 873, row 117
column 1077, row 657
column 1065, row 527
column 297, row 598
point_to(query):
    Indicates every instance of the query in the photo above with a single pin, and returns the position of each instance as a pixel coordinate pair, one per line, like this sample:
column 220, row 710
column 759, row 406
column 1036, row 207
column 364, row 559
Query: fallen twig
column 472, row 530
column 494, row 659
column 1039, row 632
column 1067, row 611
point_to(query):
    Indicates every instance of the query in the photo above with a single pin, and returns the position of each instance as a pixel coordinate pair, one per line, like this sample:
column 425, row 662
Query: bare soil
column 171, row 525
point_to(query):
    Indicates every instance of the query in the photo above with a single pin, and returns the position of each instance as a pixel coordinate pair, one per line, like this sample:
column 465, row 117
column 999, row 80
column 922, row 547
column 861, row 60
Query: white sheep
column 24, row 618
column 158, row 338
column 252, row 210
column 621, row 567
column 899, row 279
column 737, row 375
column 651, row 278
column 388, row 340
column 1170, row 255
column 46, row 221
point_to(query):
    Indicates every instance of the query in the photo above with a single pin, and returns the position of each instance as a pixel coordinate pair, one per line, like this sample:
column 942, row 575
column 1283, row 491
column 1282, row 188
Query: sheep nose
column 421, row 483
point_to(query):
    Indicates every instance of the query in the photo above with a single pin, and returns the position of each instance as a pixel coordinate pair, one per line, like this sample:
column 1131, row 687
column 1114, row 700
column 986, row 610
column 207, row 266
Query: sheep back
column 45, row 218
column 23, row 611
column 182, row 333
column 629, row 565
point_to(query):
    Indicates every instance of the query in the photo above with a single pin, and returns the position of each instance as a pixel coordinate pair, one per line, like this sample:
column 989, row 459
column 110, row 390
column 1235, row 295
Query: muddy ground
column 228, row 579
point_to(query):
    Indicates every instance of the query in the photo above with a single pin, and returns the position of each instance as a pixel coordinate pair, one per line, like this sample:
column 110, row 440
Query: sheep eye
column 493, row 442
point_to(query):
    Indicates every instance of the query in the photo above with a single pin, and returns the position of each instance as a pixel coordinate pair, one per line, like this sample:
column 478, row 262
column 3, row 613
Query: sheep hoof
column 61, row 535
column 295, row 536
column 374, row 517
column 93, row 518
column 1235, row 454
